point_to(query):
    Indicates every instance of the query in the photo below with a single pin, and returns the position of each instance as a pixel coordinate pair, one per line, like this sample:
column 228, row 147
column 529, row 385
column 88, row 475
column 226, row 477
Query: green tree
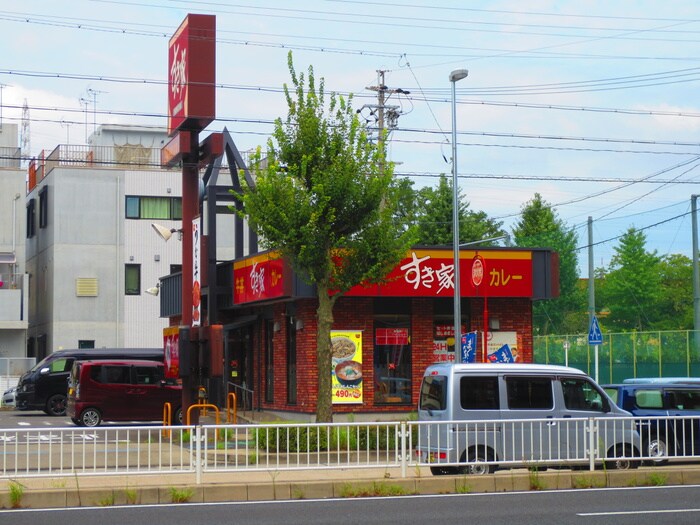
column 327, row 200
column 674, row 310
column 631, row 286
column 435, row 218
column 539, row 226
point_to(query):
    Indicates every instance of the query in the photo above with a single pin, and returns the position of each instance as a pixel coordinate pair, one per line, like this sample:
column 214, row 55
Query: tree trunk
column 324, row 406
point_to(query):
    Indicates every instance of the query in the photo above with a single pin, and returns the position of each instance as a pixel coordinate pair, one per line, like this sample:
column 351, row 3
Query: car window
column 580, row 394
column 649, row 399
column 60, row 365
column 115, row 374
column 148, row 375
column 528, row 393
column 433, row 393
column 680, row 399
column 479, row 393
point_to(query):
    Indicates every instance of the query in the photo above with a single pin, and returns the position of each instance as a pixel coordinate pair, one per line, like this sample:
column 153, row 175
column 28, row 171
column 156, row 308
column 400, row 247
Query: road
column 628, row 506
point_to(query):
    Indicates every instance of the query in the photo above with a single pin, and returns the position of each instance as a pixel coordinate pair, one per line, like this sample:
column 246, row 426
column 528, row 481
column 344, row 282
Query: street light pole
column 456, row 76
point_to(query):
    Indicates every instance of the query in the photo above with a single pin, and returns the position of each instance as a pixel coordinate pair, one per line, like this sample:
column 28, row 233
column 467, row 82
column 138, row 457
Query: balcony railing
column 10, row 157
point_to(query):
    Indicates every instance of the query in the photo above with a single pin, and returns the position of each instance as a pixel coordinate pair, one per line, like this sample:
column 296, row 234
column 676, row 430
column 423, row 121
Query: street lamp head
column 458, row 74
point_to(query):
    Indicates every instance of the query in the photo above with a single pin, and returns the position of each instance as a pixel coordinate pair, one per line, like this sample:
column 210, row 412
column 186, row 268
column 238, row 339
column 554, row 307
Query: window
column 479, row 393
column 148, row 375
column 392, row 360
column 579, row 394
column 169, row 208
column 649, row 399
column 116, row 374
column 86, row 343
column 43, row 207
column 60, row 365
column 684, row 399
column 30, row 219
column 529, row 393
column 132, row 279
column 433, row 393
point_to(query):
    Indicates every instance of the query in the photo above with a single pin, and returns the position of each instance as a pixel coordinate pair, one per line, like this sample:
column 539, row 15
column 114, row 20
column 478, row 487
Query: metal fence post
column 591, row 443
column 198, row 454
column 404, row 452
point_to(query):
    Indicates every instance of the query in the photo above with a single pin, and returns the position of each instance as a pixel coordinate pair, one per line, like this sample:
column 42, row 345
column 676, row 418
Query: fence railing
column 445, row 447
column 625, row 354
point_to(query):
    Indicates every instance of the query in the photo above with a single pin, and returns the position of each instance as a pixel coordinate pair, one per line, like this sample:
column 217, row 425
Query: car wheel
column 177, row 420
column 478, row 467
column 56, row 405
column 624, row 461
column 90, row 417
column 657, row 447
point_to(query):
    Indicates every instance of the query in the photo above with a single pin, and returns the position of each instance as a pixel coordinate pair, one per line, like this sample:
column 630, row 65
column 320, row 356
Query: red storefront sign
column 192, row 74
column 430, row 273
column 260, row 278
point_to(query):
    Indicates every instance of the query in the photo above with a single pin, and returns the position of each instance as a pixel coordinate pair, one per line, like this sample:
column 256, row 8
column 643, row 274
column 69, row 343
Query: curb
column 130, row 491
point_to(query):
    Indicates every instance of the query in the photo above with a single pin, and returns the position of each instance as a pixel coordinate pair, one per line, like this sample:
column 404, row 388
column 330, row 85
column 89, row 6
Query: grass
column 464, row 487
column 588, row 482
column 107, row 501
column 376, row 489
column 180, row 495
column 131, row 496
column 16, row 494
column 536, row 483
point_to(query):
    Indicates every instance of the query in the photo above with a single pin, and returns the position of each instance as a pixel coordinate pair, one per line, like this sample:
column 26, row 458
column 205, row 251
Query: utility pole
column 696, row 275
column 591, row 273
column 385, row 116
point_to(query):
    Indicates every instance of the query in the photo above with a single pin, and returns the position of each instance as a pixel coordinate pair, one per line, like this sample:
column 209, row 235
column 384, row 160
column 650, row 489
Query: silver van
column 476, row 417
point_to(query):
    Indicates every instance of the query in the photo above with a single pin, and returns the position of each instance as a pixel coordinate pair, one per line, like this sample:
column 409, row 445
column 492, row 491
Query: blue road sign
column 595, row 336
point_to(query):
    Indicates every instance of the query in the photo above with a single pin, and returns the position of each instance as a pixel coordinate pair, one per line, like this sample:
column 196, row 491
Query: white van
column 475, row 417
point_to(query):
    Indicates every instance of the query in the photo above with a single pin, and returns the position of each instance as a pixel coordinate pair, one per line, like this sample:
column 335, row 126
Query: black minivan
column 668, row 436
column 45, row 386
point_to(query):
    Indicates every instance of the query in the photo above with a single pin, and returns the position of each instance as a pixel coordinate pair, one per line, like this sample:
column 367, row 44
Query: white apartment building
column 13, row 280
column 91, row 251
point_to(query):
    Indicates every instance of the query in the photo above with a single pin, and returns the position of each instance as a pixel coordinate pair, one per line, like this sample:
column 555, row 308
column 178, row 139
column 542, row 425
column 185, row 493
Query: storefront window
column 392, row 361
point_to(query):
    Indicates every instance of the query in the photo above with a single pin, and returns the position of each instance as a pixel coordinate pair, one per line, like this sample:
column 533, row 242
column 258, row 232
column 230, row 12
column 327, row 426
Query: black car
column 667, row 436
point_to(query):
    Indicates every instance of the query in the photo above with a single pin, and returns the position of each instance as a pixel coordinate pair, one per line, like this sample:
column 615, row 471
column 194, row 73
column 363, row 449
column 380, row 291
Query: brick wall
column 357, row 314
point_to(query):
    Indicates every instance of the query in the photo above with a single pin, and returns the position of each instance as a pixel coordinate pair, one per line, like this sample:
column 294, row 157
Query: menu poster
column 346, row 371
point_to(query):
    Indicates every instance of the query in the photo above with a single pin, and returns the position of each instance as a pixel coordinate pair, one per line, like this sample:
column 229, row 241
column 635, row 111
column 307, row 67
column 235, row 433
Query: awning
column 7, row 258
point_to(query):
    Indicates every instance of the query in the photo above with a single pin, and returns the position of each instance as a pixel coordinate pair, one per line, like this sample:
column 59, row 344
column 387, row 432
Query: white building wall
column 14, row 312
column 142, row 245
column 88, row 236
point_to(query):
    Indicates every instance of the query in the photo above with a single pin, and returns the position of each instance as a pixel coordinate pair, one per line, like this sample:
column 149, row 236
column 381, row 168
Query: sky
column 592, row 104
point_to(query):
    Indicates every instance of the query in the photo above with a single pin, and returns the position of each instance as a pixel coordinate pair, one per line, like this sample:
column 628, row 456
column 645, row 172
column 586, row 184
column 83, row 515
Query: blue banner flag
column 502, row 355
column 469, row 347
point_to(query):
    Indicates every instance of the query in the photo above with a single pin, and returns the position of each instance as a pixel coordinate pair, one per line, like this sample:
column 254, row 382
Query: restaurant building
column 383, row 337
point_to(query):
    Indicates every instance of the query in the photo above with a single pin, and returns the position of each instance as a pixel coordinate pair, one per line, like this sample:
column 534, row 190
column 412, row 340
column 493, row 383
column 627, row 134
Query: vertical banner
column 196, row 275
column 346, row 382
column 171, row 345
column 469, row 347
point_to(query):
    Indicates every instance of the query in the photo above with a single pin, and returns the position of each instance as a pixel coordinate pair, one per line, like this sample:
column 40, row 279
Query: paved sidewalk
column 137, row 489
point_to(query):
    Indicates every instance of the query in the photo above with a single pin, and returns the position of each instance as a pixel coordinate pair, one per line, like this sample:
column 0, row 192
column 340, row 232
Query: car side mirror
column 44, row 370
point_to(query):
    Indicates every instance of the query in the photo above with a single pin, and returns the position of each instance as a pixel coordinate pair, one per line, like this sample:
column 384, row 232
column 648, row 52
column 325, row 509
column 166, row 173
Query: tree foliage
column 327, row 201
column 630, row 290
column 539, row 226
column 435, row 218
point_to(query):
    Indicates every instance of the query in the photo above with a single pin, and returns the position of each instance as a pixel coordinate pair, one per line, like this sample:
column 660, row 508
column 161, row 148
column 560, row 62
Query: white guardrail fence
column 475, row 447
